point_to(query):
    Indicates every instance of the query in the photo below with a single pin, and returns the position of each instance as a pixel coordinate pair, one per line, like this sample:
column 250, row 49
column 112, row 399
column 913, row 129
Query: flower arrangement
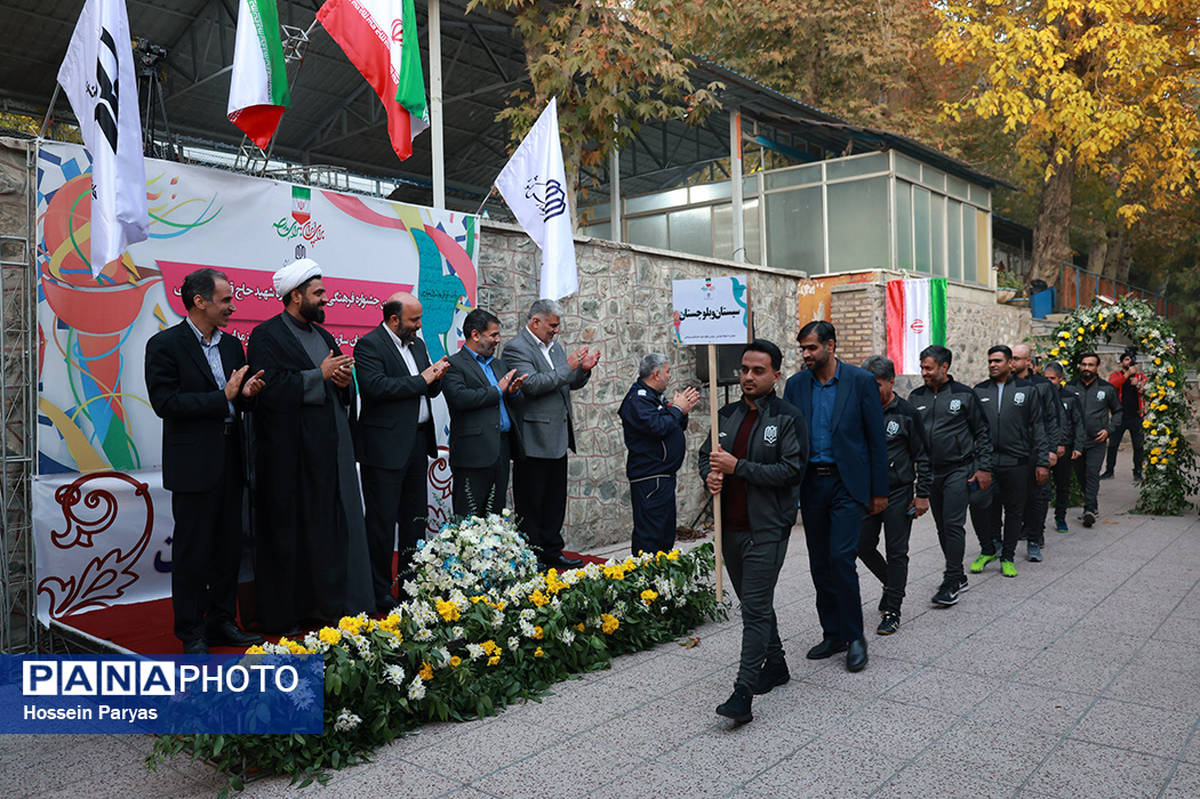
column 449, row 653
column 1170, row 468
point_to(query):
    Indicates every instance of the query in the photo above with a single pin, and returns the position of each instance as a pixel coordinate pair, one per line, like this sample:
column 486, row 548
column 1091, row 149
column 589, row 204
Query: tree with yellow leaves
column 1106, row 87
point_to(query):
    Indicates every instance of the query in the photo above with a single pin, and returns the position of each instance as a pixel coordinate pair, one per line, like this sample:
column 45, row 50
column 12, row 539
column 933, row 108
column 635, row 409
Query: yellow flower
column 1162, row 407
column 493, row 660
column 1120, row 316
column 256, row 650
column 1158, row 361
column 537, row 633
column 1156, row 451
column 1162, row 461
column 455, row 661
column 1054, row 352
column 538, row 598
column 1081, row 330
column 350, row 624
column 1064, row 334
column 538, row 653
column 649, row 595
column 1171, row 383
column 579, row 626
column 390, row 623
column 426, row 672
column 1170, row 369
column 330, row 636
column 1153, row 460
column 1153, row 431
column 490, row 647
column 447, row 610
column 673, row 555
column 1146, row 423
column 609, row 623
column 475, row 600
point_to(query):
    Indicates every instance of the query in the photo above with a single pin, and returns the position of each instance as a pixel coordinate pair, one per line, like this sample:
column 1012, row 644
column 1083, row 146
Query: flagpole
column 49, row 111
column 486, row 197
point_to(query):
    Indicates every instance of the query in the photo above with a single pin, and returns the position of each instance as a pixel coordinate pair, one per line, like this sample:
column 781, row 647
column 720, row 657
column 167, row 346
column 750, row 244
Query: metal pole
column 49, row 111
column 614, row 198
column 735, row 176
column 435, row 103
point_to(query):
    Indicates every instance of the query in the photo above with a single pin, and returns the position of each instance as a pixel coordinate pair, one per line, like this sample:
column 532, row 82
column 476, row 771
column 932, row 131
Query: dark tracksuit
column 960, row 444
column 1100, row 409
column 654, row 436
column 908, row 460
column 1072, row 439
column 769, row 473
column 1039, row 495
column 1019, row 437
column 1131, row 420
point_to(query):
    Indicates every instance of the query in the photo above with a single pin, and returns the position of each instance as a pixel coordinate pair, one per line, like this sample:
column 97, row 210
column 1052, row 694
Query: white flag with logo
column 97, row 76
column 534, row 184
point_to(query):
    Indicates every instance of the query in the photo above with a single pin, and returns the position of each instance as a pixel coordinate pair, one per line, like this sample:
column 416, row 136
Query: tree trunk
column 1051, row 239
column 1097, row 247
column 1118, row 248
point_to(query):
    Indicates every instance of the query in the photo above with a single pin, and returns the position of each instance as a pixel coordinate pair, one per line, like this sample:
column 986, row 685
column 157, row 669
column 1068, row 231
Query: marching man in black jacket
column 1039, row 495
column 1014, row 413
column 1100, row 409
column 908, row 460
column 960, row 449
column 1072, row 442
column 654, row 434
column 757, row 469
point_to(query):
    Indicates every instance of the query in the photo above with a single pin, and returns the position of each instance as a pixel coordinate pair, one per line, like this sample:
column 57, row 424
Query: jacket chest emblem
column 770, row 435
column 1019, row 398
column 893, row 427
column 1100, row 394
column 955, row 406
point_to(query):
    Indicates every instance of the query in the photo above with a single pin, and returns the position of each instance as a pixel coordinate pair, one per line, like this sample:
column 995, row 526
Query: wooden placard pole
column 716, row 446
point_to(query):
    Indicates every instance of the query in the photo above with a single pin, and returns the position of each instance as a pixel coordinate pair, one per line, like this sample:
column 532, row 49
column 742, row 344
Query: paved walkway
column 1080, row 678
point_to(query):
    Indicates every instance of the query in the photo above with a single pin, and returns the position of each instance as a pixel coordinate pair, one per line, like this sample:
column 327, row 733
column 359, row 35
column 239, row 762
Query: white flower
column 475, row 651
column 416, row 689
column 395, row 675
column 423, row 635
column 456, row 633
column 346, row 721
column 513, row 643
column 442, row 654
column 567, row 636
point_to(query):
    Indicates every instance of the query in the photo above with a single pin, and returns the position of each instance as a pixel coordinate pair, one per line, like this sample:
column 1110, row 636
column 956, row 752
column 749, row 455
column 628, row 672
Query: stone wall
column 623, row 306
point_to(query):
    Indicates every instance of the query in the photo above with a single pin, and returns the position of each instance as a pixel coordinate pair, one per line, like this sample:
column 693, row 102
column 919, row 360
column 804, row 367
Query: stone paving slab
column 1079, row 678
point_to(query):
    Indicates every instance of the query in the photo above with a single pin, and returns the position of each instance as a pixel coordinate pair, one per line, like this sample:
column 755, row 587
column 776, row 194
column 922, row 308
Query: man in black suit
column 483, row 437
column 196, row 379
column 394, row 436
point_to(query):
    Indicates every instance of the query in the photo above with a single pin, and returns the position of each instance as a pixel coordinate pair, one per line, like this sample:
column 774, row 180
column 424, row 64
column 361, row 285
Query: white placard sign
column 710, row 310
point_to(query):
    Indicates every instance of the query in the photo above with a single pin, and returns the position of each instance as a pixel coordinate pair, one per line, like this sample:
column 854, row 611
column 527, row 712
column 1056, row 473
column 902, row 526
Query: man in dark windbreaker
column 960, row 448
column 1039, row 495
column 1100, row 410
column 908, row 460
column 1014, row 413
column 1072, row 440
column 654, row 435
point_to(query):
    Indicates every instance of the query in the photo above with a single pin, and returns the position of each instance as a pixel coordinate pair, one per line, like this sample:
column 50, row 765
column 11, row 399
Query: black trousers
column 1132, row 423
column 540, row 494
column 1002, row 518
column 206, row 549
column 1036, row 507
column 754, row 560
column 653, row 501
column 1087, row 471
column 478, row 492
column 832, row 522
column 948, row 500
column 891, row 569
column 1062, row 485
column 395, row 500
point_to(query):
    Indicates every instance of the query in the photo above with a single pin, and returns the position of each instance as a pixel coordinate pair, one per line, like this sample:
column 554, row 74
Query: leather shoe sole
column 826, row 649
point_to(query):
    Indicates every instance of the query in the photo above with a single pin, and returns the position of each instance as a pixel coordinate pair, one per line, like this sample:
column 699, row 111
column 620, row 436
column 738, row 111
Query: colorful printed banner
column 916, row 318
column 95, row 425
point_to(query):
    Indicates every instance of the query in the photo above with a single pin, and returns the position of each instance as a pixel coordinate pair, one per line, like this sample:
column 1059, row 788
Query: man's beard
column 407, row 336
column 312, row 312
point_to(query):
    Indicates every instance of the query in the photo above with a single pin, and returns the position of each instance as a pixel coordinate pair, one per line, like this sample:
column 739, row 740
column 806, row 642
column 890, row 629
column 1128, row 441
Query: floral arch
column 1169, row 474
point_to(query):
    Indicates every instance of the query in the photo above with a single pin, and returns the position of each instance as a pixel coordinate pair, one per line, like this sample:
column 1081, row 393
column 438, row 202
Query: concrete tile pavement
column 1079, row 678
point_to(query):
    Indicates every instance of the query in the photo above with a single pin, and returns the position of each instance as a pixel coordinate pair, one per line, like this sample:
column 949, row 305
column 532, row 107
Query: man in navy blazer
column 847, row 477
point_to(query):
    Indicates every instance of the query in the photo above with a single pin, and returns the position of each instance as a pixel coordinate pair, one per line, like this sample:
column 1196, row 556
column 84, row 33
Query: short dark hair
column 1003, row 349
column 1089, row 355
column 478, row 319
column 881, row 367
column 286, row 299
column 762, row 345
column 824, row 330
column 1053, row 366
column 1131, row 354
column 202, row 282
column 939, row 354
column 392, row 308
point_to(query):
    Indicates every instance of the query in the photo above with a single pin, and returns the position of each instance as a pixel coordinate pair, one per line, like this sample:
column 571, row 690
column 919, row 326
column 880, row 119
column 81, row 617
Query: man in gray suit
column 546, row 427
column 483, row 438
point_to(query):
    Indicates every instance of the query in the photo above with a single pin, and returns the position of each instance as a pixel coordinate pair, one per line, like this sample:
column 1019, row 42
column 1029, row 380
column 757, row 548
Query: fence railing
column 1077, row 287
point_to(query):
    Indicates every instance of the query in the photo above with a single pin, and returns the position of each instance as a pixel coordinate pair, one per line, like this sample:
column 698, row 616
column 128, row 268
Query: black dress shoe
column 227, row 634
column 826, row 649
column 773, row 673
column 737, row 706
column 560, row 561
column 856, row 655
column 196, row 646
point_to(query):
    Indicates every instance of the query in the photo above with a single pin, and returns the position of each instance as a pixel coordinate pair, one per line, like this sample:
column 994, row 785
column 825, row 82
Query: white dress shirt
column 411, row 363
column 544, row 347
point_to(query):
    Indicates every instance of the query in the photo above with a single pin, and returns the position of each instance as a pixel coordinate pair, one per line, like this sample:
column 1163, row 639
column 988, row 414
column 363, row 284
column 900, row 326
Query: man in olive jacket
column 757, row 470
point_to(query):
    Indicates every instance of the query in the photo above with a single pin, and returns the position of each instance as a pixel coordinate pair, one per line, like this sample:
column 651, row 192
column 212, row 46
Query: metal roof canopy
column 335, row 119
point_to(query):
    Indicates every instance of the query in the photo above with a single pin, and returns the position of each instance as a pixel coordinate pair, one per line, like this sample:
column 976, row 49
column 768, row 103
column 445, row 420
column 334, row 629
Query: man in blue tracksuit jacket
column 654, row 435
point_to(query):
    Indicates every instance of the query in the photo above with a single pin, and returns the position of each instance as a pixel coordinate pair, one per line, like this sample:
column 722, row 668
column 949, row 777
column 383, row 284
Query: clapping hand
column 515, row 385
column 338, row 369
column 575, row 359
column 510, row 383
column 434, row 371
column 686, row 400
column 253, row 385
column 234, row 384
column 590, row 359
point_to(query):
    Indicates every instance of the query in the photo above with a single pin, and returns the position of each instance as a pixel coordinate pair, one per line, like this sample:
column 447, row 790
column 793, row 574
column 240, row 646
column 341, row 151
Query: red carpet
column 145, row 627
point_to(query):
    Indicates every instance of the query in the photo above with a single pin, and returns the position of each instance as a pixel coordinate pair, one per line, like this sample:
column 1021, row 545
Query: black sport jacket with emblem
column 908, row 454
column 955, row 427
column 1015, row 420
column 1099, row 409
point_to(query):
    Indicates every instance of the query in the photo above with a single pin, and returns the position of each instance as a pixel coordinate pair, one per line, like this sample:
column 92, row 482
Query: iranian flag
column 380, row 39
column 916, row 318
column 258, row 91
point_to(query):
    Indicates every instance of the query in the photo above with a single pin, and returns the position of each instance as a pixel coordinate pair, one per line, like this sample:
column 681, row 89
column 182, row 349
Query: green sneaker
column 1008, row 568
column 981, row 561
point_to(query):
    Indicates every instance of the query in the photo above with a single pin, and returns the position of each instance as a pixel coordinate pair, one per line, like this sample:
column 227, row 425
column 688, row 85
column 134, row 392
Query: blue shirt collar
column 216, row 335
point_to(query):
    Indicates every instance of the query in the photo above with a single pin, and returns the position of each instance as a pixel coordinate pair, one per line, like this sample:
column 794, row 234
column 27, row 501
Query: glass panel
column 652, row 202
column 921, row 225
column 968, row 244
column 904, row 225
column 750, row 186
column 710, row 191
column 753, row 231
column 982, row 258
column 858, row 231
column 856, row 165
column 603, row 230
column 722, row 232
column 794, row 230
column 933, row 177
column 691, row 231
column 956, row 186
column 954, row 240
column 981, row 196
column 907, row 167
column 937, row 218
column 648, row 231
column 794, row 176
